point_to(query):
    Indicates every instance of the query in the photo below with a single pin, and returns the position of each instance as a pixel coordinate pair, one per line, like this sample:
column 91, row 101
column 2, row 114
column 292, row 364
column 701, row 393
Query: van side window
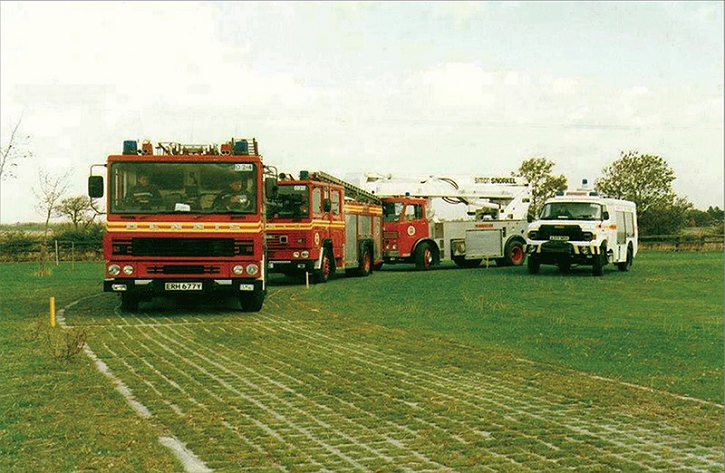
column 629, row 220
column 621, row 229
column 419, row 212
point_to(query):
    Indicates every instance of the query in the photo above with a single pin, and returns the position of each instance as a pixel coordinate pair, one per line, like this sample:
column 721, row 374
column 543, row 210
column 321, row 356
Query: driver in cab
column 237, row 196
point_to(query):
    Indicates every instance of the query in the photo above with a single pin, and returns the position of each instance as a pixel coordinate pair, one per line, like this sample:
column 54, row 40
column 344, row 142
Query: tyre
column 533, row 265
column 366, row 263
column 600, row 261
column 129, row 302
column 252, row 301
column 423, row 257
column 514, row 254
column 626, row 265
column 327, row 267
column 467, row 263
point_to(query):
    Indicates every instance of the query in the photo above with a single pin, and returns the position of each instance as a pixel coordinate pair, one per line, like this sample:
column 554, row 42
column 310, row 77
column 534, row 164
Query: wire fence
column 70, row 251
column 57, row 251
column 681, row 242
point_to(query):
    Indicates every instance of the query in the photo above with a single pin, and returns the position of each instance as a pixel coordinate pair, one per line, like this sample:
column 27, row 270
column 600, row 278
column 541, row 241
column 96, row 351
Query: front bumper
column 554, row 252
column 290, row 266
column 152, row 287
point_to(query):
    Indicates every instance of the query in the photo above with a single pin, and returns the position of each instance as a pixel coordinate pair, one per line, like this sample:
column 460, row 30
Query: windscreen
column 392, row 211
column 289, row 202
column 571, row 211
column 160, row 188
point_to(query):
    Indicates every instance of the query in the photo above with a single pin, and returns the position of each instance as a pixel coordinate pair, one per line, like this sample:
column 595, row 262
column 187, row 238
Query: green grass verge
column 58, row 414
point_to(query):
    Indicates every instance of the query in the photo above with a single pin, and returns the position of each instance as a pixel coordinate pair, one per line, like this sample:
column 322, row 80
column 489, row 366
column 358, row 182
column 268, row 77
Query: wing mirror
column 95, row 186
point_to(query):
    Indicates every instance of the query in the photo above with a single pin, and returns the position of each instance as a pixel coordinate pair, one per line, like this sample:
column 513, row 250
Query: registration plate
column 183, row 286
column 559, row 238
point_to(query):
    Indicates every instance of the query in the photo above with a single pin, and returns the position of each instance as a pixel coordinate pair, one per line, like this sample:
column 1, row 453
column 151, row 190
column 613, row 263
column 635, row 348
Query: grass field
column 486, row 369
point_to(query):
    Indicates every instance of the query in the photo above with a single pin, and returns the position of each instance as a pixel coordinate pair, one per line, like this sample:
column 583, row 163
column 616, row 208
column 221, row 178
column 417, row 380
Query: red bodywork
column 240, row 236
column 402, row 234
column 296, row 245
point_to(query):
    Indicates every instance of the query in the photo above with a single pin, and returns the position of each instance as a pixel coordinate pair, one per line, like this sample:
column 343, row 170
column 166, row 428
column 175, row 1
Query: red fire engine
column 494, row 226
column 187, row 220
column 318, row 224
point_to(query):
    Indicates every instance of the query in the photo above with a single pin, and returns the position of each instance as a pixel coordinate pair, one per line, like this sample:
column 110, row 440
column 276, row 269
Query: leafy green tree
column 544, row 184
column 646, row 179
column 716, row 215
column 665, row 219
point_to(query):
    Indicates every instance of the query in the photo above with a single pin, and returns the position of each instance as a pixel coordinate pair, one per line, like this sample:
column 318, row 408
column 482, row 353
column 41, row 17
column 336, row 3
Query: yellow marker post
column 307, row 280
column 52, row 311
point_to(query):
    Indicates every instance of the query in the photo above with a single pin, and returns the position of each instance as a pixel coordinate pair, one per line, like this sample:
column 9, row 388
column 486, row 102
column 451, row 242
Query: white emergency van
column 583, row 227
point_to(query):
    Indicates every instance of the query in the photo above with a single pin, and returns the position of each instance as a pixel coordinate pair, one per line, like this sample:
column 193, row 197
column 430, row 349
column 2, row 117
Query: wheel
column 624, row 266
column 423, row 257
column 252, row 301
column 514, row 254
column 600, row 261
column 533, row 265
column 327, row 268
column 366, row 263
column 467, row 263
column 129, row 302
column 564, row 267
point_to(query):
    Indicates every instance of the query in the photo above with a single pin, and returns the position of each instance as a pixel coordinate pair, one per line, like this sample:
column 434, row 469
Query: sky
column 400, row 88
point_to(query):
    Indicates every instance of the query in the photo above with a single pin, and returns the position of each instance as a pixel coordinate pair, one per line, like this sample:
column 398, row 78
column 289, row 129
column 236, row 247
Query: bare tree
column 79, row 210
column 15, row 150
column 49, row 194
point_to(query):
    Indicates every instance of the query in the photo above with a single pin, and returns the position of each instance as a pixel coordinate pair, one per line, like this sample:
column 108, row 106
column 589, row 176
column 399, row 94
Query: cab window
column 335, row 201
column 413, row 212
column 317, row 200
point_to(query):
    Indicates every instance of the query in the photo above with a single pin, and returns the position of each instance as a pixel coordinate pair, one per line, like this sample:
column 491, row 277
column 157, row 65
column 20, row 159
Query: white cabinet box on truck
column 583, row 227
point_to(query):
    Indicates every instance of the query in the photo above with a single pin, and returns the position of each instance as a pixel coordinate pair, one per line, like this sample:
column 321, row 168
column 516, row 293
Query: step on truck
column 319, row 224
column 493, row 229
column 582, row 227
column 184, row 220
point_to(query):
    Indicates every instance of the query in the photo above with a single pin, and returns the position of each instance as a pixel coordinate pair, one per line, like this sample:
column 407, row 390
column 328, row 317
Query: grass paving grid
column 292, row 389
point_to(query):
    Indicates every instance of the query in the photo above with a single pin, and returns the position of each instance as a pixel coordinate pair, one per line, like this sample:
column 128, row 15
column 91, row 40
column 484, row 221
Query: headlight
column 238, row 269
column 585, row 250
column 252, row 269
column 296, row 254
column 305, row 254
column 533, row 235
column 128, row 270
column 114, row 270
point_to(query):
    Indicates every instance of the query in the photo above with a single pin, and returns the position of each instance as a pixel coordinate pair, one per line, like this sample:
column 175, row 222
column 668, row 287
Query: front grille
column 574, row 232
column 182, row 247
column 277, row 242
column 183, row 269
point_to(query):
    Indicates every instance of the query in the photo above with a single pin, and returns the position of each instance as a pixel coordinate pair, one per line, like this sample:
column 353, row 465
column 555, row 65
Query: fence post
column 57, row 260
